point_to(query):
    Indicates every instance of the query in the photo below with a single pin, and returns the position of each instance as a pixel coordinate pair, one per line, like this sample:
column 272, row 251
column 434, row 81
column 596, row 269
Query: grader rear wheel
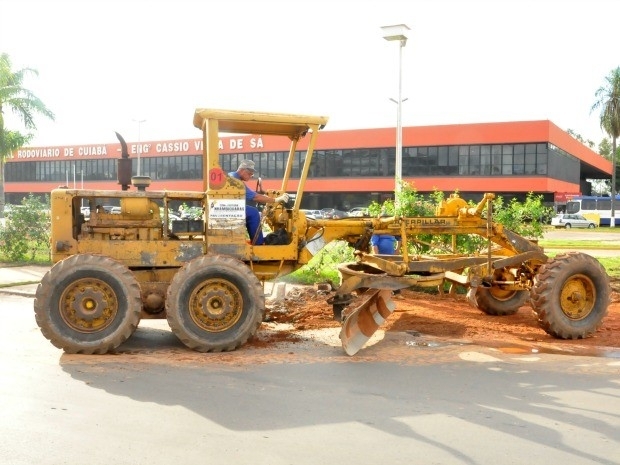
column 497, row 300
column 88, row 304
column 215, row 303
column 571, row 295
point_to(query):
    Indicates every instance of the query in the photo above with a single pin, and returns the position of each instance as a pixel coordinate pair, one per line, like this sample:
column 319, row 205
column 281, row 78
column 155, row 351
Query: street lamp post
column 391, row 33
column 139, row 121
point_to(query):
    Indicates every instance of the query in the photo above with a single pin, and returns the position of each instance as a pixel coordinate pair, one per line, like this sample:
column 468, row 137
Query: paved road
column 584, row 234
column 397, row 402
column 605, row 237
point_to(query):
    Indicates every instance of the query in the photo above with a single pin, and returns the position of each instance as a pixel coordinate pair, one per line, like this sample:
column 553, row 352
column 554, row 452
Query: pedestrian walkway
column 21, row 280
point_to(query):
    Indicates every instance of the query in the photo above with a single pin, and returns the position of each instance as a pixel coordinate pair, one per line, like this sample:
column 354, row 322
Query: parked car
column 337, row 214
column 332, row 213
column 101, row 209
column 572, row 221
column 313, row 214
column 358, row 211
column 171, row 216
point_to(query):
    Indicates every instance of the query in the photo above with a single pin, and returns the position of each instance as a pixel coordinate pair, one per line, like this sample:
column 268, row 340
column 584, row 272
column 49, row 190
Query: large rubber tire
column 570, row 295
column 88, row 304
column 495, row 301
column 498, row 301
column 215, row 303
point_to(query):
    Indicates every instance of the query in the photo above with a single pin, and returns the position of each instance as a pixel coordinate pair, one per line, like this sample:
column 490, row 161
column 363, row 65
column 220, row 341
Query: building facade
column 349, row 168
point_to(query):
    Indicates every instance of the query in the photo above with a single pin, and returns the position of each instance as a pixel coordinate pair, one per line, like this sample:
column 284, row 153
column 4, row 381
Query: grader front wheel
column 88, row 304
column 215, row 303
column 571, row 296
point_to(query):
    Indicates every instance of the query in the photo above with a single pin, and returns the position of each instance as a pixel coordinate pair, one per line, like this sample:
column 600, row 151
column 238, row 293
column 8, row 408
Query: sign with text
column 226, row 214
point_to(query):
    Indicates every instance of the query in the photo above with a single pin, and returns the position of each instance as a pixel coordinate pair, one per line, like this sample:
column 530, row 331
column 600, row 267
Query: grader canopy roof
column 244, row 122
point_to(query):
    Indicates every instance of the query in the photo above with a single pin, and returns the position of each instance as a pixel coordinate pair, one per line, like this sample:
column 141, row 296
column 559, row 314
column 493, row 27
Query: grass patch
column 40, row 258
column 612, row 266
column 21, row 283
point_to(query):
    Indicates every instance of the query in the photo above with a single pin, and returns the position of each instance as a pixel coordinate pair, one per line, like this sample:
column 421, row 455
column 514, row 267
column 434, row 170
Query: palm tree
column 24, row 104
column 608, row 102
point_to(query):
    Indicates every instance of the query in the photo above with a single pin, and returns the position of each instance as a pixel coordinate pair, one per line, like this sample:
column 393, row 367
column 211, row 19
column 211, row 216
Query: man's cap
column 247, row 165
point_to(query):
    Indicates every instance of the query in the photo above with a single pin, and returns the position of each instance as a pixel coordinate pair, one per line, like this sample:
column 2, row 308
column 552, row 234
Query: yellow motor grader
column 206, row 276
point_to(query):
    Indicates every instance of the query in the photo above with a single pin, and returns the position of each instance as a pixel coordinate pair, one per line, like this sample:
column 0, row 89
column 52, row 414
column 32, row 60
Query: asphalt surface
column 406, row 400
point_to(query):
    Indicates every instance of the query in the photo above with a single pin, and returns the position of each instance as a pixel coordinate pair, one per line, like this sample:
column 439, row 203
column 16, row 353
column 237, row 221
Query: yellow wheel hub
column 88, row 305
column 577, row 297
column 216, row 305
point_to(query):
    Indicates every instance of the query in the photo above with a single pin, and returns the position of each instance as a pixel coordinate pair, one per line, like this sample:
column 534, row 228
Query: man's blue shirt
column 386, row 243
column 249, row 193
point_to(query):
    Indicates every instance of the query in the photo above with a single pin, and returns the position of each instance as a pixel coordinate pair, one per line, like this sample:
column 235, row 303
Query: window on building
column 463, row 160
column 485, row 160
column 334, row 162
column 496, row 159
column 530, row 159
column 474, row 160
column 518, row 159
column 541, row 158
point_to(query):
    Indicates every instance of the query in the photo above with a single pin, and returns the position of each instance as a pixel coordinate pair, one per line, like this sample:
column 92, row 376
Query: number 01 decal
column 217, row 178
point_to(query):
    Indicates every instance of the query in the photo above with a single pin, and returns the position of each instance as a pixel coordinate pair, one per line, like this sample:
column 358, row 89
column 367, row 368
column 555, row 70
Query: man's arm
column 261, row 198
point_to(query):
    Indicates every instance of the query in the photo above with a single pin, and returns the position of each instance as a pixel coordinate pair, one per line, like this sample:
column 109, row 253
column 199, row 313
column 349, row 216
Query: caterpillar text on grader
column 206, row 278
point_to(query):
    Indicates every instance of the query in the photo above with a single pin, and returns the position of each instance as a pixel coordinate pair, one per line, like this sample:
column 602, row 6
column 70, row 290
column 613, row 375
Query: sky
column 103, row 66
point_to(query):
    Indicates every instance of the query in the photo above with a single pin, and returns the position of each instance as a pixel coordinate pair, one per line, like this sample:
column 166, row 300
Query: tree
column 580, row 138
column 608, row 103
column 604, row 149
column 21, row 102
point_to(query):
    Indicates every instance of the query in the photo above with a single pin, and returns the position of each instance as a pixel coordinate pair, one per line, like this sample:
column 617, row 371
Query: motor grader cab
column 205, row 276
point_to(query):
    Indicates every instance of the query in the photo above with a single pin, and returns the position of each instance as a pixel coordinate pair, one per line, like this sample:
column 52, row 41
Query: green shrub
column 324, row 265
column 26, row 230
column 526, row 219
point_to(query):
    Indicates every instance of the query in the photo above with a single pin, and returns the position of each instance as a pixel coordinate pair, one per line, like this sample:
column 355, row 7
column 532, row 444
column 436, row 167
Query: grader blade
column 363, row 321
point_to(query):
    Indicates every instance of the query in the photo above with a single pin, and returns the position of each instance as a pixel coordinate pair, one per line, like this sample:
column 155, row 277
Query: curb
column 19, row 292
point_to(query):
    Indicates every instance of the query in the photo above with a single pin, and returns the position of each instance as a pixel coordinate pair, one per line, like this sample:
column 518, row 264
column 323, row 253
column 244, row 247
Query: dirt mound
column 450, row 317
